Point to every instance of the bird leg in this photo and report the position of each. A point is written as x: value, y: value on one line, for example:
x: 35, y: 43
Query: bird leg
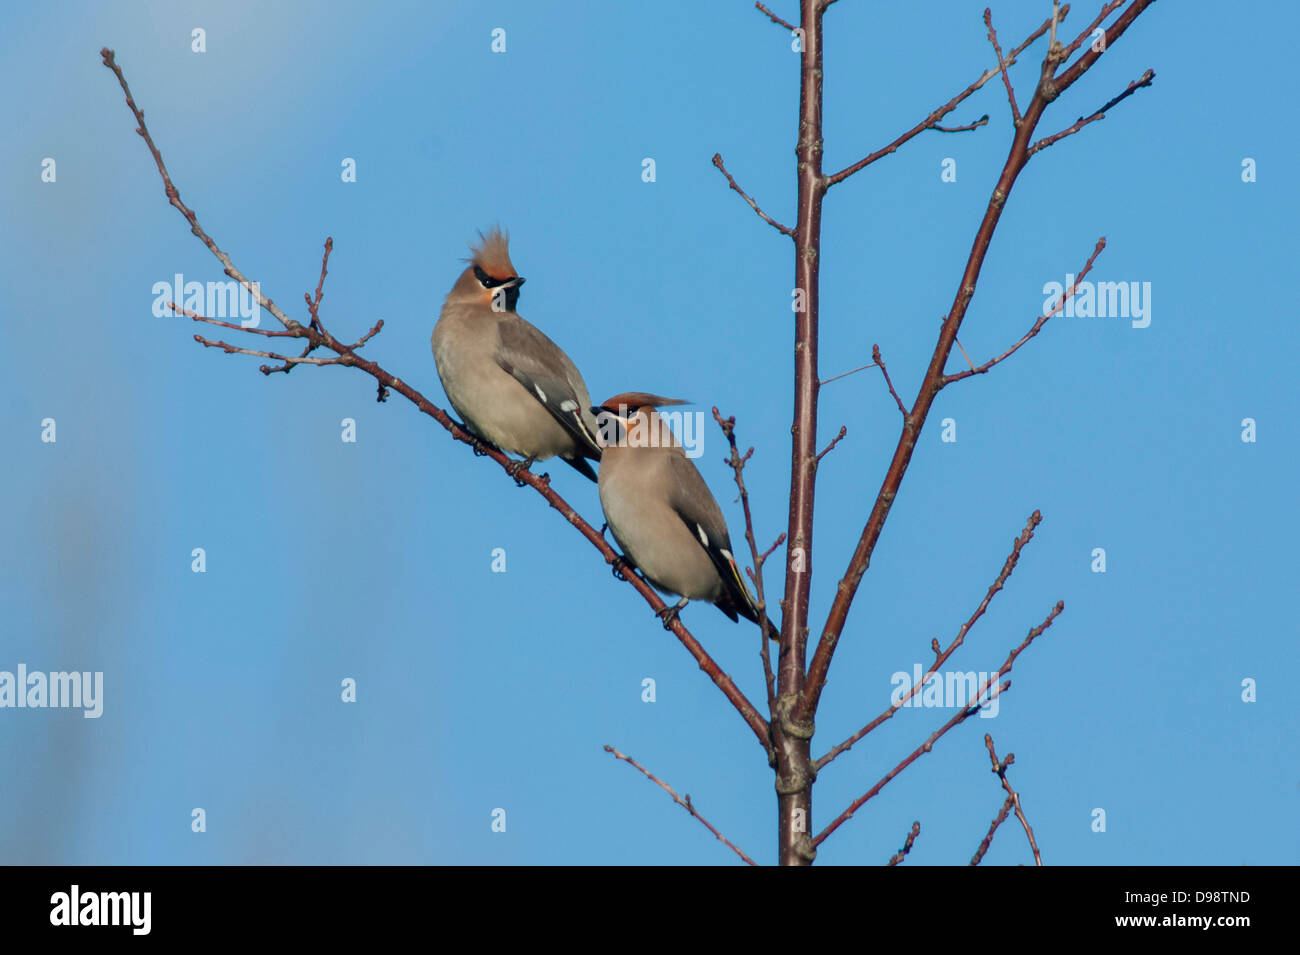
x: 669, y: 614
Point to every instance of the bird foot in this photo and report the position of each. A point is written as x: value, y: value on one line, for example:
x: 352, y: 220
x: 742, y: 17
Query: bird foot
x: 669, y: 614
x: 515, y: 469
x: 620, y: 566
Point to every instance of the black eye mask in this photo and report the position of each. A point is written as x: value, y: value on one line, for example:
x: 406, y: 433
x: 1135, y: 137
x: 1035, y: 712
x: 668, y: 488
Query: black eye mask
x: 488, y: 281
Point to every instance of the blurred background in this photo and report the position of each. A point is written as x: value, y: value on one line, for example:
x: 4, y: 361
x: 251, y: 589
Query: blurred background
x: 372, y: 560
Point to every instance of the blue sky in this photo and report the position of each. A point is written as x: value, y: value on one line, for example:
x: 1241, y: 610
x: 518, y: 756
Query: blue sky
x: 372, y: 560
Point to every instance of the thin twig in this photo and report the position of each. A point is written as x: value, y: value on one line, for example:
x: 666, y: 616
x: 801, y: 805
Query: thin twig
x: 1146, y: 79
x: 875, y: 357
x: 174, y: 197
x: 313, y: 304
x: 1000, y: 818
x: 774, y: 18
x: 762, y: 558
x: 834, y: 441
x: 907, y: 846
x: 737, y: 462
x: 931, y: 121
x: 1106, y: 11
x: 230, y: 349
x: 1066, y: 295
x: 982, y: 121
x: 374, y: 330
x: 1008, y: 567
x: 684, y: 803
x: 268, y: 332
x: 1000, y: 768
x: 717, y: 161
x: 876, y: 362
x: 1002, y: 64
x: 970, y: 709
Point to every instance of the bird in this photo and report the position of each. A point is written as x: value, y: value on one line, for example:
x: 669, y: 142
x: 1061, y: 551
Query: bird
x: 662, y: 515
x: 512, y: 385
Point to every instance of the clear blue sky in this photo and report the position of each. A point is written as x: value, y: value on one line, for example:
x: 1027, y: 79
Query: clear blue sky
x: 372, y: 560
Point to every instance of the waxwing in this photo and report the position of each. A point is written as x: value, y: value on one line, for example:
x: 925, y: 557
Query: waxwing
x: 511, y: 384
x: 661, y: 512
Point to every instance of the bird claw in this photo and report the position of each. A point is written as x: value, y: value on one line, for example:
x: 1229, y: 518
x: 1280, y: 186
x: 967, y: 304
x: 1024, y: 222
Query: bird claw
x: 669, y: 614
x: 514, y: 470
x: 621, y: 564
x: 477, y: 444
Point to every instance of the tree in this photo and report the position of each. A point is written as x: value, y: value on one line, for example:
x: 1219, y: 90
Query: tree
x: 795, y: 684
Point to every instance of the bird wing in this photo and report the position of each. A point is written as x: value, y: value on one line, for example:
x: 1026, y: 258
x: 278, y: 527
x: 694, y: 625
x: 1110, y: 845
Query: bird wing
x: 695, y: 505
x: 548, y: 374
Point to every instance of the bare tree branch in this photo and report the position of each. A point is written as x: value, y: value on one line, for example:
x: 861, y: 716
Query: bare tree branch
x: 971, y: 708
x: 287, y: 359
x: 313, y: 304
x: 1036, y: 327
x: 717, y: 161
x: 737, y: 462
x: 1145, y: 79
x: 174, y: 197
x: 793, y: 734
x: 1013, y: 797
x: 931, y: 121
x: 320, y: 337
x: 268, y: 332
x: 1002, y: 64
x: 1110, y: 7
x: 684, y: 803
x: 907, y: 846
x: 982, y: 121
x: 834, y: 441
x: 1050, y: 86
x: 774, y: 18
x: 876, y: 362
x: 1000, y: 818
x: 1008, y: 567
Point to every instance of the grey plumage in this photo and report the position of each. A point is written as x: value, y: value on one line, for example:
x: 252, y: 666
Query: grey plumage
x: 510, y: 383
x: 661, y: 512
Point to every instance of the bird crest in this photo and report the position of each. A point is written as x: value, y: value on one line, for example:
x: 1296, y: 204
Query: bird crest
x: 492, y: 254
x: 635, y: 400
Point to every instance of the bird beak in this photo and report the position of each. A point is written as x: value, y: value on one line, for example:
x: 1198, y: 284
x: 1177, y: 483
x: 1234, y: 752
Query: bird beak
x: 515, y: 282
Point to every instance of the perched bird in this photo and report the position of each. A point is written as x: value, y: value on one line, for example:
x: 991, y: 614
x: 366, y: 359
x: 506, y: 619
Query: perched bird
x: 661, y: 512
x: 511, y: 384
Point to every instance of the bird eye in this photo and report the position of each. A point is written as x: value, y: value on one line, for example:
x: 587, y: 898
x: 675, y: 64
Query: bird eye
x: 484, y: 279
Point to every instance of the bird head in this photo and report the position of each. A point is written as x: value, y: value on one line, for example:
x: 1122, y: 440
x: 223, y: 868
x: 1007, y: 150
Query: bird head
x: 490, y: 278
x: 629, y: 420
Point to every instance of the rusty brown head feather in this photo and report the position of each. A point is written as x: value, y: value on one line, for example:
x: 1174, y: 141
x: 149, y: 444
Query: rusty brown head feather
x: 492, y: 254
x: 633, y: 400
